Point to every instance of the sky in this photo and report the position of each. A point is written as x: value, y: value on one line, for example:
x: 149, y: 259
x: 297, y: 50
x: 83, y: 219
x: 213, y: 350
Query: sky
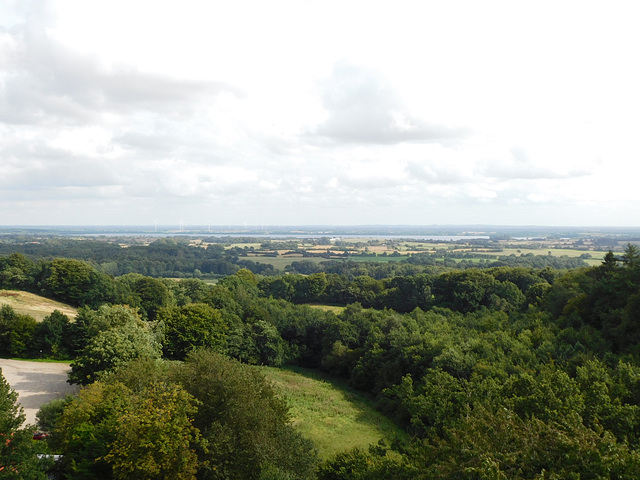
x: 319, y: 112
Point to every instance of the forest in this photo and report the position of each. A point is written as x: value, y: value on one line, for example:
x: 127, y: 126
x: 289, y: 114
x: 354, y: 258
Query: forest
x: 504, y: 371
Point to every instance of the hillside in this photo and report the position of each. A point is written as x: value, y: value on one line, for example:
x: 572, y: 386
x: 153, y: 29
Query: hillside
x: 34, y: 305
x: 333, y: 416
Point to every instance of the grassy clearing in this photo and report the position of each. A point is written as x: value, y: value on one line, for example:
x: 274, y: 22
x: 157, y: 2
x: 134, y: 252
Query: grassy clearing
x: 34, y: 305
x: 333, y: 416
x: 337, y: 309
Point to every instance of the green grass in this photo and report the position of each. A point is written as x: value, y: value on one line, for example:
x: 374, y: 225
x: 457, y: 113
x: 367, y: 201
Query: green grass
x: 333, y: 416
x: 40, y: 360
x: 337, y: 309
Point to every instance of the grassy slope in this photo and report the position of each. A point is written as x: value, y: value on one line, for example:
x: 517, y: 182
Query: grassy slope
x: 34, y: 305
x: 333, y: 416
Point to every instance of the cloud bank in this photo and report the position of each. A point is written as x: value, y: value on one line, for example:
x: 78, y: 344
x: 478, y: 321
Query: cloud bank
x: 420, y: 115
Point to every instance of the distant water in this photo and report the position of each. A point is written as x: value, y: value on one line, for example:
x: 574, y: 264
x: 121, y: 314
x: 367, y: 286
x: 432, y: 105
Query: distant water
x: 280, y: 236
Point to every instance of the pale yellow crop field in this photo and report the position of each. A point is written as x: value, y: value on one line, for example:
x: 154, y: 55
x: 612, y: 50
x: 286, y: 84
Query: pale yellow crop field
x: 34, y: 305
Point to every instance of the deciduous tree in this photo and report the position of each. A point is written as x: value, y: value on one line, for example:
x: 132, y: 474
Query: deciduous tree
x: 112, y: 348
x: 244, y: 422
x: 191, y: 326
x: 111, y: 431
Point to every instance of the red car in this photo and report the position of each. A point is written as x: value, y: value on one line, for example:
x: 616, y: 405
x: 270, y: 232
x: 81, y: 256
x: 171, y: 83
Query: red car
x: 40, y: 436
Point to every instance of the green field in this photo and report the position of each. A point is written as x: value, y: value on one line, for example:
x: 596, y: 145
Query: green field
x: 333, y: 416
x: 556, y: 252
x: 337, y: 309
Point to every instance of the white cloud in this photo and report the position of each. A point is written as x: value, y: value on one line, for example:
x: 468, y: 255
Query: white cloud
x: 286, y: 112
x: 518, y: 165
x: 364, y: 108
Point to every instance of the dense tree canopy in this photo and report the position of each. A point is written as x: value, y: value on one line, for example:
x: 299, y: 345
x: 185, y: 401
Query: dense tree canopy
x: 116, y: 336
x: 191, y: 326
x: 209, y: 418
x: 511, y: 371
x: 16, y: 333
x: 244, y: 422
x: 112, y: 431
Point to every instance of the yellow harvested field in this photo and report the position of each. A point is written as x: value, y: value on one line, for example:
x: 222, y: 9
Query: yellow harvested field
x: 378, y: 248
x: 34, y: 305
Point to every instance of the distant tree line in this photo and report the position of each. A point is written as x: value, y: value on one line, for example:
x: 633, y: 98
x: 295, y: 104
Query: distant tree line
x: 177, y: 258
x: 165, y: 257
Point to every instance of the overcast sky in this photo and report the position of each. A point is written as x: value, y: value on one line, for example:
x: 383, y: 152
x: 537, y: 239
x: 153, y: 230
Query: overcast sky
x: 347, y: 112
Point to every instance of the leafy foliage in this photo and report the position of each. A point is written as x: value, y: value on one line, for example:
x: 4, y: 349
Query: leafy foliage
x: 497, y: 444
x: 75, y: 282
x: 16, y: 333
x: 374, y: 464
x: 111, y: 431
x: 52, y: 335
x: 153, y: 436
x: 245, y: 424
x: 210, y: 417
x: 120, y: 337
x: 49, y: 413
x: 191, y: 326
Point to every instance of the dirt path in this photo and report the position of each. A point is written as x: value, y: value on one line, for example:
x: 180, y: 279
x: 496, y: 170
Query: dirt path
x: 36, y: 383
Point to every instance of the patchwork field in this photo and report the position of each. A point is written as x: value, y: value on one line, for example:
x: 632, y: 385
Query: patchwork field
x: 391, y: 250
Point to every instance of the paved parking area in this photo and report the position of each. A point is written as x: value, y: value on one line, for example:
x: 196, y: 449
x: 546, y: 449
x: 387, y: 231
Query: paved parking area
x: 36, y: 383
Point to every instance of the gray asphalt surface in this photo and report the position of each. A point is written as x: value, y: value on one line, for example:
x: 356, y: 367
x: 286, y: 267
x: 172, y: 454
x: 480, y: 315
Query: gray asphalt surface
x: 36, y: 383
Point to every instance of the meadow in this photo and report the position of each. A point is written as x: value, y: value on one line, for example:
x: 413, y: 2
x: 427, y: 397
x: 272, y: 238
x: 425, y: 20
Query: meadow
x: 336, y: 309
x: 335, y: 417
